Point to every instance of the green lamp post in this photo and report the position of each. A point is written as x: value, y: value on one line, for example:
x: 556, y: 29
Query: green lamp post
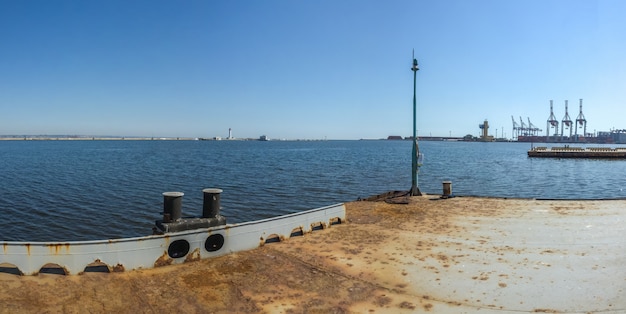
x: 416, y: 158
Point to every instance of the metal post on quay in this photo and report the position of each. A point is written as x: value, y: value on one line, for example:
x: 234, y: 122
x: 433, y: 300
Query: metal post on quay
x: 415, y: 191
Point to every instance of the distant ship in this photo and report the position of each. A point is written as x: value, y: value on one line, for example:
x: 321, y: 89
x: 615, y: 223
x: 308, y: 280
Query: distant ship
x: 264, y: 138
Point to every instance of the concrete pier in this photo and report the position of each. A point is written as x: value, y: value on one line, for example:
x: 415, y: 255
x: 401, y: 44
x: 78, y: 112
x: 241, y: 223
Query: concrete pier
x: 456, y: 255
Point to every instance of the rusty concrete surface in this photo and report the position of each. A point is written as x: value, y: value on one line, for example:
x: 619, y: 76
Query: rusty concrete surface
x: 459, y: 255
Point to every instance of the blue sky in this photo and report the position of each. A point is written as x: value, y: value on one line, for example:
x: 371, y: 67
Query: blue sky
x: 307, y: 69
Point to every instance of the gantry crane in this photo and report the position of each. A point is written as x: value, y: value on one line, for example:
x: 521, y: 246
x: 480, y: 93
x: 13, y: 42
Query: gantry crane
x: 524, y: 129
x: 552, y: 123
x: 566, y: 122
x: 515, y: 133
x: 581, y: 121
x: 534, y: 131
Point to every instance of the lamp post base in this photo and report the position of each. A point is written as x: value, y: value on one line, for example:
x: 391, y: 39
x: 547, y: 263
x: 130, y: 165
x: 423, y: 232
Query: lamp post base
x: 415, y: 191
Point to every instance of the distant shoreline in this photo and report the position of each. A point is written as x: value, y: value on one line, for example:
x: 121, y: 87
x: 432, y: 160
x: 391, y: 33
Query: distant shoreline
x: 95, y: 138
x: 114, y: 138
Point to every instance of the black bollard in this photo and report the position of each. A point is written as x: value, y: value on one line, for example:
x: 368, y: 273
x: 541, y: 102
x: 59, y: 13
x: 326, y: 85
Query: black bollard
x: 211, y: 204
x: 172, y: 206
x: 447, y: 189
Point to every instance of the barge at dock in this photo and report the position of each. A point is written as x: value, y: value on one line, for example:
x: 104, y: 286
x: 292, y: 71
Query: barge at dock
x: 578, y: 152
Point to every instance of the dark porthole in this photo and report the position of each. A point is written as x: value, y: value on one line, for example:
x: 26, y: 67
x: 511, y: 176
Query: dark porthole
x: 53, y: 269
x: 272, y: 239
x: 10, y: 270
x: 214, y: 242
x: 297, y: 232
x: 97, y: 268
x: 178, y: 248
x: 317, y: 226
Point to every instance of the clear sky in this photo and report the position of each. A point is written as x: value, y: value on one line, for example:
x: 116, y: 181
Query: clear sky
x: 307, y: 69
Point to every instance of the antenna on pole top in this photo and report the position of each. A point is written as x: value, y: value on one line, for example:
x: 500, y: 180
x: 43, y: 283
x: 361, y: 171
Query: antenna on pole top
x: 415, y: 67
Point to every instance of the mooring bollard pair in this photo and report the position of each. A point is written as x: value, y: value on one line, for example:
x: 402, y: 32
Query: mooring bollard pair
x: 172, y: 212
x: 173, y: 204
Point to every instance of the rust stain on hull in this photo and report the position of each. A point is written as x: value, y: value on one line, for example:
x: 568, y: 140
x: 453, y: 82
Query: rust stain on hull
x: 469, y: 255
x: 119, y: 268
x: 193, y: 256
x: 57, y: 248
x: 164, y: 260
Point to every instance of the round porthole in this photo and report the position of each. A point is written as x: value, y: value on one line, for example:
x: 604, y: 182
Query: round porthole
x: 178, y: 248
x: 214, y: 242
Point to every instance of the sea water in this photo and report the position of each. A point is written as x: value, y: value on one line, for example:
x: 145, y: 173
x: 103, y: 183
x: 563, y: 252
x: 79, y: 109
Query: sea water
x: 89, y: 190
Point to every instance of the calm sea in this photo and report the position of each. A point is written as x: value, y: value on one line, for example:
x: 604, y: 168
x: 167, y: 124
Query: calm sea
x: 88, y: 190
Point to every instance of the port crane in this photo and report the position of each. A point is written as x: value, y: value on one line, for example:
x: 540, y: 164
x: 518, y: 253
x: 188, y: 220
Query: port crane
x: 515, y: 133
x: 566, y: 122
x: 552, y: 122
x: 533, y: 130
x: 523, y: 128
x: 581, y: 122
